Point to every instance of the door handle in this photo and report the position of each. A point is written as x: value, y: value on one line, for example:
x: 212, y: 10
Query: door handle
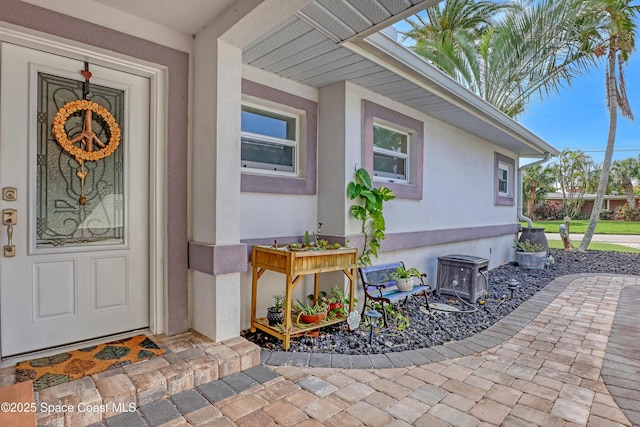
x: 9, y: 218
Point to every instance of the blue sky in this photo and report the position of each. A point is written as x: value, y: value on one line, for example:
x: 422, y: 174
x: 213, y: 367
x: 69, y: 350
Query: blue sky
x: 577, y: 117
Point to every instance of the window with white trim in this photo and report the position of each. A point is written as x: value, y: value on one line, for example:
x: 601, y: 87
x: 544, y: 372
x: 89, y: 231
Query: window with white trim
x: 504, y: 186
x: 505, y: 180
x: 398, y: 164
x: 270, y: 140
x: 390, y: 153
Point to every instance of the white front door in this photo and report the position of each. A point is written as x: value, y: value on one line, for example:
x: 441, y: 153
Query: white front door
x: 79, y: 271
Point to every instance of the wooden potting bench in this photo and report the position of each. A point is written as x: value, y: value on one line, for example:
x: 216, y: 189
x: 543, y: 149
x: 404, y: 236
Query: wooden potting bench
x: 294, y: 265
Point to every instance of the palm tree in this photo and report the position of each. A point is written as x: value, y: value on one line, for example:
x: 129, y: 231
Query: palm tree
x: 623, y: 172
x: 447, y: 34
x: 615, y: 34
x: 536, y: 182
x: 531, y: 49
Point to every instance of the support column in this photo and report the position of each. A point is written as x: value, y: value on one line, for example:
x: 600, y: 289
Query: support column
x: 216, y: 255
x: 216, y: 181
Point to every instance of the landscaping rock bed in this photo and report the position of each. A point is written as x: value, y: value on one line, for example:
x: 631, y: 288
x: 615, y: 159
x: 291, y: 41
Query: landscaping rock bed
x: 437, y: 327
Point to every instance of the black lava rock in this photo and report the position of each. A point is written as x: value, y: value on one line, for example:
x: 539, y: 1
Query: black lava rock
x: 437, y: 327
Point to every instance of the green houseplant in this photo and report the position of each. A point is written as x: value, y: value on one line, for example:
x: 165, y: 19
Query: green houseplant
x: 403, y: 277
x: 336, y: 303
x: 311, y: 313
x: 530, y: 255
x: 275, y: 314
x: 369, y: 212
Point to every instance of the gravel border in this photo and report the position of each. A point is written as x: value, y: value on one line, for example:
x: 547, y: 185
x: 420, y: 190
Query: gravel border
x: 441, y: 332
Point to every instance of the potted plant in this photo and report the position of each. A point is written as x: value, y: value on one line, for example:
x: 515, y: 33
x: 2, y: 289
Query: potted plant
x: 337, y: 302
x: 311, y: 313
x: 530, y: 255
x: 404, y: 278
x: 337, y: 299
x: 275, y: 315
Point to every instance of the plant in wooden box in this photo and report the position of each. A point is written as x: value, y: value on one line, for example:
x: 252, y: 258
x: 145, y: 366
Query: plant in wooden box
x: 311, y: 313
x: 404, y: 278
x: 275, y: 315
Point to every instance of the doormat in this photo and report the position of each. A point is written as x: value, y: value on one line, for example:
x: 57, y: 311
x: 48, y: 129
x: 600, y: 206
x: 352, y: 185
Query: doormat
x: 72, y: 365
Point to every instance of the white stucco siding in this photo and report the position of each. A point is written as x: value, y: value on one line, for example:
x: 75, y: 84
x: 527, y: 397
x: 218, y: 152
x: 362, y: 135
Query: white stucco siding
x: 458, y: 191
x: 459, y: 181
x: 265, y: 215
x: 458, y: 173
x: 273, y: 215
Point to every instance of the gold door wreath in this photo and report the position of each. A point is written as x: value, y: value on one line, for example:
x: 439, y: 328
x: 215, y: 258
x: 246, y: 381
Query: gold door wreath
x: 87, y: 138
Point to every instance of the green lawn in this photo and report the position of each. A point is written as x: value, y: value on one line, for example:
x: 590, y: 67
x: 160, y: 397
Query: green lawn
x: 597, y: 246
x: 603, y: 227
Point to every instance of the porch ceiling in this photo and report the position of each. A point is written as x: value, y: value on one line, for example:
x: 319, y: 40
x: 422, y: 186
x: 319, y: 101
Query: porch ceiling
x: 326, y: 42
x: 188, y: 16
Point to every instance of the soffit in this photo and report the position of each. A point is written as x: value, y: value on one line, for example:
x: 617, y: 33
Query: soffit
x: 187, y: 16
x: 323, y: 44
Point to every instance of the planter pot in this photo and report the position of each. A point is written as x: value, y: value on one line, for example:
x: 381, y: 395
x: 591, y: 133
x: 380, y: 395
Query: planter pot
x: 535, y: 235
x: 531, y: 259
x: 334, y: 305
x: 311, y: 318
x: 275, y: 317
x: 404, y: 285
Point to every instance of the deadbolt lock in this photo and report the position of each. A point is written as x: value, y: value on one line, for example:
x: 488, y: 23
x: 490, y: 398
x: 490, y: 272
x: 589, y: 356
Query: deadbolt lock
x: 10, y: 194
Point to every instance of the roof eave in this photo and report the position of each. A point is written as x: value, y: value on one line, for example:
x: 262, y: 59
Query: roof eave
x: 388, y: 53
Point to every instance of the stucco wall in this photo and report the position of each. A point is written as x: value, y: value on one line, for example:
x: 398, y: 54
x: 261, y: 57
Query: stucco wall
x: 458, y: 194
x: 273, y: 216
x: 267, y: 215
x: 458, y: 186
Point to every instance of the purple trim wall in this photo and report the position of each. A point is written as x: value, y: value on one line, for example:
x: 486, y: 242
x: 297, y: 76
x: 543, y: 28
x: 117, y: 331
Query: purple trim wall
x: 417, y: 239
x: 256, y: 183
x: 371, y: 110
x: 217, y: 259
x: 50, y: 22
x: 503, y: 200
x: 409, y: 240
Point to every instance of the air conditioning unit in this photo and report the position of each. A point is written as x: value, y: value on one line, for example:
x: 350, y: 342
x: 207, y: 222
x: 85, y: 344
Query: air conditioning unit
x: 462, y: 275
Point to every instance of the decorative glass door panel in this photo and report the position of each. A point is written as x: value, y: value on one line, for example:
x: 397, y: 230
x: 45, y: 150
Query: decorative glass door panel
x: 61, y: 221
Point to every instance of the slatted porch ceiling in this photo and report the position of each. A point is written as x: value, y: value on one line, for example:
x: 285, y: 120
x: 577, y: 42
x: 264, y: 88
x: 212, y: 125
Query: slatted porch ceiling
x: 307, y: 48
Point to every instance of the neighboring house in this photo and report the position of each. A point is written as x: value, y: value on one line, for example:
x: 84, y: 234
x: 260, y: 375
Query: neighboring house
x: 242, y: 123
x: 611, y: 201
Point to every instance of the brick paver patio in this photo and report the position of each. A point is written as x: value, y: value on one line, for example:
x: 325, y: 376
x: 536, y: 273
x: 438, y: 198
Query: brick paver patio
x: 570, y: 356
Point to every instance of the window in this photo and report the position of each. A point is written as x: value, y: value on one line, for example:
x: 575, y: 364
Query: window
x: 393, y: 149
x: 269, y: 140
x: 504, y: 180
x: 390, y: 153
x: 279, y: 135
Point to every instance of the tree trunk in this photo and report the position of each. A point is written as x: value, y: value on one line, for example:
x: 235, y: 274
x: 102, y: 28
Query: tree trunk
x: 627, y: 186
x: 608, y: 155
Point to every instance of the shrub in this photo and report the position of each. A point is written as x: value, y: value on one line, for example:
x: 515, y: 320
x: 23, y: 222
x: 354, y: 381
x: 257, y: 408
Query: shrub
x: 581, y: 216
x: 548, y: 210
x: 626, y: 213
x: 606, y: 214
